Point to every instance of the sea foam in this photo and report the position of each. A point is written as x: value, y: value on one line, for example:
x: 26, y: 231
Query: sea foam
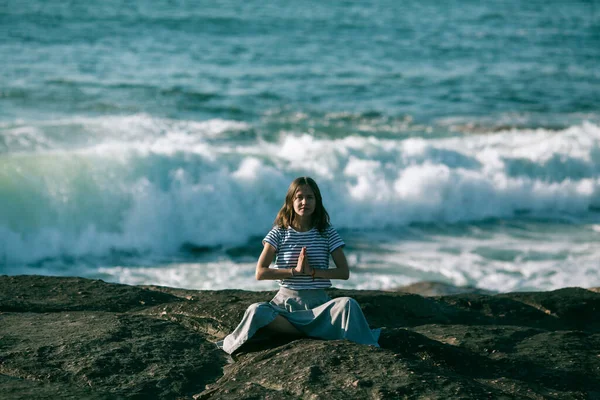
x: 151, y: 185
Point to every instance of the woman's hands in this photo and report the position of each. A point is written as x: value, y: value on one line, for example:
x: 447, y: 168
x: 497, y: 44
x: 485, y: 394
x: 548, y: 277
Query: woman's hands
x: 263, y: 272
x: 303, y: 267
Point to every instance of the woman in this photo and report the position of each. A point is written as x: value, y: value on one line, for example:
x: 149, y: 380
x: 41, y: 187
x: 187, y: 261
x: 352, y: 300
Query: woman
x: 301, y: 242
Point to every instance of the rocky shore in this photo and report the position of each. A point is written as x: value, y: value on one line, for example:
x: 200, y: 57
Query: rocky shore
x: 74, y: 338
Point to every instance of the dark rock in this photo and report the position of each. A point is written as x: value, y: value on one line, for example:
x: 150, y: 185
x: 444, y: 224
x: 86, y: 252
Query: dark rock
x: 440, y: 289
x: 72, y: 338
x: 17, y: 388
x: 47, y: 294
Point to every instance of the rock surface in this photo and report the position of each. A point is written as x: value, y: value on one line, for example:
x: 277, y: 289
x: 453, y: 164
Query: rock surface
x: 74, y: 338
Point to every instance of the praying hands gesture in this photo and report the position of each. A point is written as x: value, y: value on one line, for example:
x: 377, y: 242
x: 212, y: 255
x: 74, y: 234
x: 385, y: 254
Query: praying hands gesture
x: 303, y: 267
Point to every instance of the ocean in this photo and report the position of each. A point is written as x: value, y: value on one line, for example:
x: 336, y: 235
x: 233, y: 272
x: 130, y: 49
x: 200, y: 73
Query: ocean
x: 152, y: 142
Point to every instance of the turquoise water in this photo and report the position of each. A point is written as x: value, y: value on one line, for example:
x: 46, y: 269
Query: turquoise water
x: 153, y: 141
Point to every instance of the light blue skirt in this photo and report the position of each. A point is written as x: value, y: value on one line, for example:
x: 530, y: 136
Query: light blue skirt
x: 312, y: 312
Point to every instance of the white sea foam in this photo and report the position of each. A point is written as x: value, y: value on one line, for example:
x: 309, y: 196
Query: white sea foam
x: 150, y: 185
x: 206, y: 276
x: 531, y: 264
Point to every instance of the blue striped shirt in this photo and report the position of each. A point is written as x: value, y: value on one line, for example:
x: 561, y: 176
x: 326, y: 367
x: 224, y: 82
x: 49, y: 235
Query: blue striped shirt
x: 288, y: 243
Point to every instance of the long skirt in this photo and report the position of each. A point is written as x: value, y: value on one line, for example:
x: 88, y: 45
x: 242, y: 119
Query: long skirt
x: 310, y: 311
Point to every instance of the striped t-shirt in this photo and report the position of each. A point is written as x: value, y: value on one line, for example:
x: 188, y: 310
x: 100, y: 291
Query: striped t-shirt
x: 288, y: 243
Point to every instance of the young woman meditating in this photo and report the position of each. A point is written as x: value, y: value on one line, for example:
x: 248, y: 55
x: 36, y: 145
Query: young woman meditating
x: 301, y: 242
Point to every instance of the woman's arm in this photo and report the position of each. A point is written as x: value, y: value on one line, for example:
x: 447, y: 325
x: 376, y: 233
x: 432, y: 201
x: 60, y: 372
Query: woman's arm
x: 263, y: 272
x: 340, y: 272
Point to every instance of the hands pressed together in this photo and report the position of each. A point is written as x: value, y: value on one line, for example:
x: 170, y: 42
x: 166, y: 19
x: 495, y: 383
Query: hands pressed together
x: 303, y: 267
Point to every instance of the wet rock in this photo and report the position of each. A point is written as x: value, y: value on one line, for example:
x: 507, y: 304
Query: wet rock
x: 72, y: 338
x: 47, y: 294
x: 440, y: 289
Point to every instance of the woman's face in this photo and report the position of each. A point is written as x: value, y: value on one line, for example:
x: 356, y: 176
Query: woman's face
x: 304, y: 201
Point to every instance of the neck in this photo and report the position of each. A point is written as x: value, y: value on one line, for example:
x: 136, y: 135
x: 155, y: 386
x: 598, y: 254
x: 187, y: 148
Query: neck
x: 302, y: 224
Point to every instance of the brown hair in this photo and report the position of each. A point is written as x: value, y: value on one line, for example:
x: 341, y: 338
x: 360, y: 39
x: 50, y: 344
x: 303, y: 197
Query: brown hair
x: 285, y: 216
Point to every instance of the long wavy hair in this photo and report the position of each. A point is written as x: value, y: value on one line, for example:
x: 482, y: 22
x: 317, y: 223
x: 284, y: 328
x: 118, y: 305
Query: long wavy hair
x: 286, y: 215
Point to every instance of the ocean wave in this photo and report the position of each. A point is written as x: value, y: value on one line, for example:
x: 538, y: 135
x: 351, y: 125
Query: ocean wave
x: 151, y: 185
x: 92, y: 133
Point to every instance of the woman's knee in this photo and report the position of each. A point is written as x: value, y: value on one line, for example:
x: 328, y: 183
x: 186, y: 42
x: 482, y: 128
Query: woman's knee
x: 348, y: 301
x: 257, y: 307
